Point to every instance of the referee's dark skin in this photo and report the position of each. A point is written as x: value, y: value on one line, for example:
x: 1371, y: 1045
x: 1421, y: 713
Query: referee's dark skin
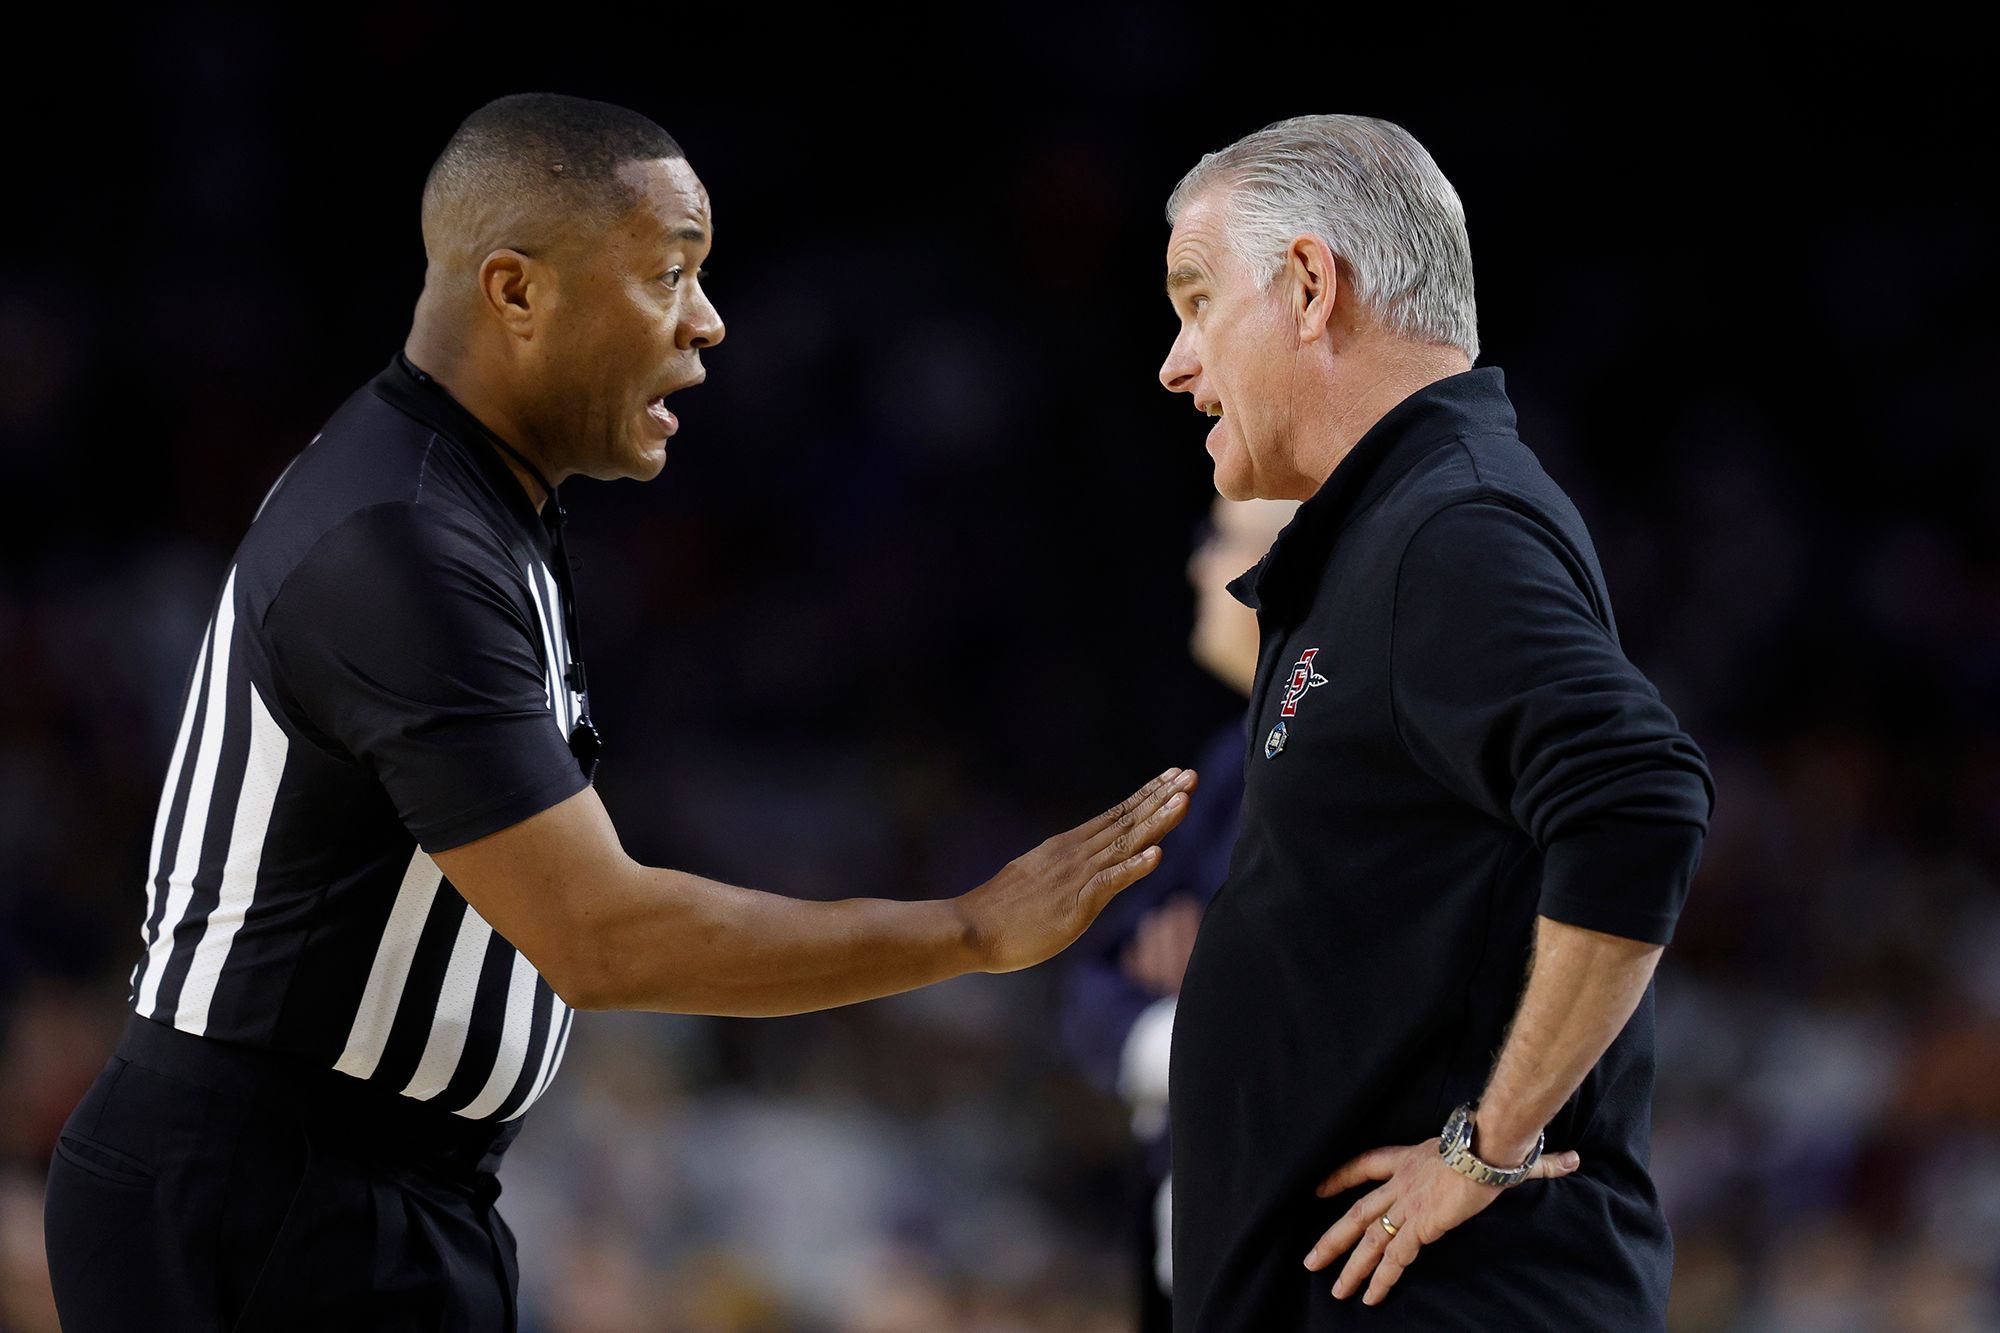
x: 380, y: 877
x: 562, y: 352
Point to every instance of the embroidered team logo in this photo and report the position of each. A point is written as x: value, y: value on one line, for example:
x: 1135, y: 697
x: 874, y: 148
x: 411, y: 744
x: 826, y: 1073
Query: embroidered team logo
x: 1303, y: 679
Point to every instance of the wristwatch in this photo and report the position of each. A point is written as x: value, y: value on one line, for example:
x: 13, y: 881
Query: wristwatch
x: 1455, y: 1146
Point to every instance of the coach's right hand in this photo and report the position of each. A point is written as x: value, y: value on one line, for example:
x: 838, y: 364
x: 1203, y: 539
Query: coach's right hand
x: 1037, y: 906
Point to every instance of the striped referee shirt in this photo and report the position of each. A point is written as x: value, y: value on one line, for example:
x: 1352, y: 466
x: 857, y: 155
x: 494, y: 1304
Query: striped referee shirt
x: 383, y: 678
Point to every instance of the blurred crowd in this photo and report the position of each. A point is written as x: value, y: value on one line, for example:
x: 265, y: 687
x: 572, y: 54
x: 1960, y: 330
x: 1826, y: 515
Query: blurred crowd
x: 909, y: 597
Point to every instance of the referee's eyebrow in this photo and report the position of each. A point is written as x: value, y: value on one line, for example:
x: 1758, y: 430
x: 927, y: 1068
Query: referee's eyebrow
x: 1181, y: 277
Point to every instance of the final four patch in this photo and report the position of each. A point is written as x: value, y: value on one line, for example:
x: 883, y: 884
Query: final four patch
x: 1275, y: 741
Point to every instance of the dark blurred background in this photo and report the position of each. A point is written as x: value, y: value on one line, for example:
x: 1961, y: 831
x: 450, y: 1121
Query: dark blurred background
x: 910, y: 593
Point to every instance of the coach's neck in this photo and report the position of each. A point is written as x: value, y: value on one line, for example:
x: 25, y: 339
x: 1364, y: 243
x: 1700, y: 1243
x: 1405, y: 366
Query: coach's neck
x: 1370, y: 372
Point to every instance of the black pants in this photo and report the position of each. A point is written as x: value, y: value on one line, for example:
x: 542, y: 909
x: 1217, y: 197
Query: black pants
x: 200, y: 1185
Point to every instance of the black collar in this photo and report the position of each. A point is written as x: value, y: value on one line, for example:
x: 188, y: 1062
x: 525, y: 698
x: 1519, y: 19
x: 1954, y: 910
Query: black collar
x: 415, y: 392
x: 1474, y: 401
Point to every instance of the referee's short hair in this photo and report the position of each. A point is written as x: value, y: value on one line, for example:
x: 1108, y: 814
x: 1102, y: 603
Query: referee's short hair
x: 533, y: 171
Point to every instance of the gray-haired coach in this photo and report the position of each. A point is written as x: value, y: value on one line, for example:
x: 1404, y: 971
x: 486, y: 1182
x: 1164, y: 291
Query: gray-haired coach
x: 1456, y: 780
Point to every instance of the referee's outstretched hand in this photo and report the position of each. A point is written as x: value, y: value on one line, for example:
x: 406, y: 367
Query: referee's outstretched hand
x: 1037, y: 906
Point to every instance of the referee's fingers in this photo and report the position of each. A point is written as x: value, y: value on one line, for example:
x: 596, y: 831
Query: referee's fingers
x: 1122, y: 829
x: 1120, y: 875
x: 1151, y: 822
x: 1125, y: 807
x: 1114, y: 879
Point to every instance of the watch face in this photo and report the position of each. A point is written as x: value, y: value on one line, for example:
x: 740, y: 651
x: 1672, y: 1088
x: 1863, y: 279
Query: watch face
x: 1458, y: 1129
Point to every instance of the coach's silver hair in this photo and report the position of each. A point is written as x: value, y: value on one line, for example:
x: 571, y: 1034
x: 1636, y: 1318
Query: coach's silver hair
x: 1370, y: 191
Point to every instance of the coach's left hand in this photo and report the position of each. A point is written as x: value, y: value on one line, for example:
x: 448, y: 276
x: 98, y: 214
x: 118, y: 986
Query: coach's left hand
x: 1423, y: 1198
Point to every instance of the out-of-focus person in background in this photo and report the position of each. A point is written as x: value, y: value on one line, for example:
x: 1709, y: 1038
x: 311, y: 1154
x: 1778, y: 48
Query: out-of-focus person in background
x: 1461, y: 777
x: 1121, y: 980
x: 380, y: 877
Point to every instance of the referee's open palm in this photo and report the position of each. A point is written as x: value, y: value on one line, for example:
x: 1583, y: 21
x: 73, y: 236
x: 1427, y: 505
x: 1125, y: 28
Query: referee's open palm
x: 1037, y: 906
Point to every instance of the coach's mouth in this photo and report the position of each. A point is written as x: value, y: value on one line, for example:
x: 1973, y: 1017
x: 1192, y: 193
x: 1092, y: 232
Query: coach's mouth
x: 1212, y: 408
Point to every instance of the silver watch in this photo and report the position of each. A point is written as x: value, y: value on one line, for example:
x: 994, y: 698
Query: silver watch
x: 1455, y: 1146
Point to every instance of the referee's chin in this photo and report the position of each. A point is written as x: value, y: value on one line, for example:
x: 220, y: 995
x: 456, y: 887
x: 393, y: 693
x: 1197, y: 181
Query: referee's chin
x: 641, y: 460
x: 651, y: 463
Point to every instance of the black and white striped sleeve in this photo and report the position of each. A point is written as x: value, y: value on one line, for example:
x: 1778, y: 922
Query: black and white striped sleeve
x: 407, y: 641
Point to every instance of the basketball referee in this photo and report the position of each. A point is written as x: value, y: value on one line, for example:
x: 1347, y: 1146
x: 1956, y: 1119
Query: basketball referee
x: 380, y: 882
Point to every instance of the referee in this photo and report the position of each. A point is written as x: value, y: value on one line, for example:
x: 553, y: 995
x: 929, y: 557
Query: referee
x: 380, y: 881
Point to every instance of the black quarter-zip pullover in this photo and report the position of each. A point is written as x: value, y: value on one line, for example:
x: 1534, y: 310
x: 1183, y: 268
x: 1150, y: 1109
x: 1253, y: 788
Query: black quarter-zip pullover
x: 1446, y: 741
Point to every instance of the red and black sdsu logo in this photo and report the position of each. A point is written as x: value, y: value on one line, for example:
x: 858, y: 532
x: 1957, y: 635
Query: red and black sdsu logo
x: 1303, y: 679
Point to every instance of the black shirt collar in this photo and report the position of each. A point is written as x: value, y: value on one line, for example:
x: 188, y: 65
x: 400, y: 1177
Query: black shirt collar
x: 414, y: 392
x: 1474, y: 401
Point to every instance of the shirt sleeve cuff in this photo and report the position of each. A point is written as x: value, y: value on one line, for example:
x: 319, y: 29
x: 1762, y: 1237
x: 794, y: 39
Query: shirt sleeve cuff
x: 1621, y: 877
x: 506, y: 812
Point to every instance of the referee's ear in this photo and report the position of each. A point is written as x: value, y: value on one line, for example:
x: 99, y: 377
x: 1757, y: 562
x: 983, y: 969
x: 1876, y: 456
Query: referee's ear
x: 515, y: 289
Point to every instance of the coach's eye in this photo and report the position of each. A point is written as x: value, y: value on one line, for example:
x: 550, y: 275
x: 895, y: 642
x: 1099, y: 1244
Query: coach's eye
x: 672, y: 277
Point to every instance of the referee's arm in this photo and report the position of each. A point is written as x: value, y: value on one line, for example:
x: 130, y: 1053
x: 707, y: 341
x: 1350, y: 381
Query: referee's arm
x: 609, y: 933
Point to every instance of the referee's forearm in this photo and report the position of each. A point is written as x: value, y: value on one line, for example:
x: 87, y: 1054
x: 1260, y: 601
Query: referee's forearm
x: 673, y: 942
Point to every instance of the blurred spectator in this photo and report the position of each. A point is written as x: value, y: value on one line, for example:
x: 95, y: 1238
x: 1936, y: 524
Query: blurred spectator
x: 1122, y: 978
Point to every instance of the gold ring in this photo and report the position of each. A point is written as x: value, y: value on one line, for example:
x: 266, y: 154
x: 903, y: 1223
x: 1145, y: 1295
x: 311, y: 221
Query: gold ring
x: 1388, y: 1226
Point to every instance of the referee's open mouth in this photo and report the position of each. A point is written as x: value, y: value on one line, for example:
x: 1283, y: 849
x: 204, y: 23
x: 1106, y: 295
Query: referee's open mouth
x: 661, y: 414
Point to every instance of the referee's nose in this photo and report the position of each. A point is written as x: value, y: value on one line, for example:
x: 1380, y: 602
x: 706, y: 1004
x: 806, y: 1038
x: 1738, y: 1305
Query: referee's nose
x: 701, y: 323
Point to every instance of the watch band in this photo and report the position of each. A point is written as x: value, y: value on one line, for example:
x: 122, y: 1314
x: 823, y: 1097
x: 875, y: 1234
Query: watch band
x: 1455, y: 1147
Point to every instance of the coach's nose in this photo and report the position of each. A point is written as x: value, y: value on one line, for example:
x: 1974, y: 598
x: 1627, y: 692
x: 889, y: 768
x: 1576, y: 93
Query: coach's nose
x: 1182, y: 367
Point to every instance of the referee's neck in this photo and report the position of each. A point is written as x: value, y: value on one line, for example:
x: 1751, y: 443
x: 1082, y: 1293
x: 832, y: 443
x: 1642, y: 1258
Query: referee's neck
x: 481, y: 395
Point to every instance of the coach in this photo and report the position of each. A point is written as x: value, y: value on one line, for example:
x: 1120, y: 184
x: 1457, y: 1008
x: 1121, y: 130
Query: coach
x: 1455, y: 780
x: 380, y: 879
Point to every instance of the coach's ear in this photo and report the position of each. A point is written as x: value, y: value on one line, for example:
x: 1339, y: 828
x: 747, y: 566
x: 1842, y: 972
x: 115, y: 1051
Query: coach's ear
x: 1313, y: 284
